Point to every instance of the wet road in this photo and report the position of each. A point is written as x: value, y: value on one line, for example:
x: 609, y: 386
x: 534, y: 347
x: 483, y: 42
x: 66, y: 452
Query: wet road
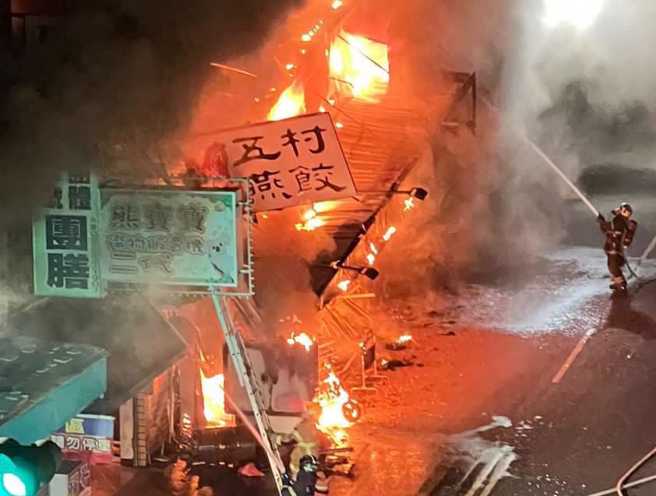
x: 498, y: 362
x: 577, y: 436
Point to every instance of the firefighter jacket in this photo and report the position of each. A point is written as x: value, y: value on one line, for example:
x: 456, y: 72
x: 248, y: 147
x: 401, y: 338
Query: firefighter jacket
x: 619, y: 232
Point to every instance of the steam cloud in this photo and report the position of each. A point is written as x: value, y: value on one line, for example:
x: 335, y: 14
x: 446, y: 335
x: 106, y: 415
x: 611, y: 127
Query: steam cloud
x: 115, y: 81
x: 584, y: 94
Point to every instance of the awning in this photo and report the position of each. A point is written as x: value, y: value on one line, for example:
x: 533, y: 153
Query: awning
x: 43, y: 384
x: 140, y: 343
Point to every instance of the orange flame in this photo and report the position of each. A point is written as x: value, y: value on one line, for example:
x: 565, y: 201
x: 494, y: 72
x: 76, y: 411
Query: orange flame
x: 337, y: 4
x: 344, y: 285
x: 325, y: 206
x: 309, y: 214
x: 359, y: 67
x: 408, y: 204
x: 303, y: 339
x: 389, y: 233
x: 290, y: 103
x: 332, y: 421
x: 311, y: 221
x: 371, y: 258
x: 214, y: 401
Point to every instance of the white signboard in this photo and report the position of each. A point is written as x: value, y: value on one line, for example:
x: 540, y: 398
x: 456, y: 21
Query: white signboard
x: 289, y: 162
x: 169, y: 237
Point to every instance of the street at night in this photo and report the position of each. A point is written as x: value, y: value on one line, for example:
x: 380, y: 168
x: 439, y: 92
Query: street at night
x: 310, y: 247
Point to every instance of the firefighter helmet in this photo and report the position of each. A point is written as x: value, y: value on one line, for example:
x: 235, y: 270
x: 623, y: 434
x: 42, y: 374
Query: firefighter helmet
x: 626, y: 206
x: 309, y: 463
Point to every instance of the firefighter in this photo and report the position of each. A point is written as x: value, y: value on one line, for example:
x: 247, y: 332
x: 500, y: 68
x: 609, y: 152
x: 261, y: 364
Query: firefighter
x: 307, y: 442
x: 306, y: 438
x: 619, y: 231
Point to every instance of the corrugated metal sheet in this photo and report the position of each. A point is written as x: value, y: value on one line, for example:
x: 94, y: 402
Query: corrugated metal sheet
x: 381, y: 141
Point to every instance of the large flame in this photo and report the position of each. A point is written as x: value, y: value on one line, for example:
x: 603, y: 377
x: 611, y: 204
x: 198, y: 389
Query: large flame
x: 290, y: 103
x: 359, y: 67
x: 332, y: 399
x: 214, y: 401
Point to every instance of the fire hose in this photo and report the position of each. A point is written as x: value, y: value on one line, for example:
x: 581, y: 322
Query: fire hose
x: 540, y: 153
x: 621, y: 483
x: 620, y: 486
x: 576, y: 190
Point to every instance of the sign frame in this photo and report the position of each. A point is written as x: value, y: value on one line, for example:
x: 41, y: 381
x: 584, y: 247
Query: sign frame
x: 75, y: 231
x: 245, y: 285
x: 311, y: 170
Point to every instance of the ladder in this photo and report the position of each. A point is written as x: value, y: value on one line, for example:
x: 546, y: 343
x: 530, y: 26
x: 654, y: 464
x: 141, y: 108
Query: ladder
x: 250, y: 382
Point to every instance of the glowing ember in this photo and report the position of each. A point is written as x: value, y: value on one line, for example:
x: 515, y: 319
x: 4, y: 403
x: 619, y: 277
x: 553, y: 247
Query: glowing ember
x: 310, y: 214
x: 359, y: 67
x: 371, y: 258
x: 344, y: 285
x: 322, y: 108
x: 373, y: 248
x: 310, y: 225
x: 214, y: 401
x: 303, y: 339
x: 337, y: 4
x: 389, y: 233
x: 408, y: 204
x: 290, y: 103
x: 325, y: 206
x: 339, y: 125
x: 289, y: 67
x: 406, y: 338
x: 312, y: 222
x: 306, y: 37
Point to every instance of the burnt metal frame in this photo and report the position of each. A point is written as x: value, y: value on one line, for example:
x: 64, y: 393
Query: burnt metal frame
x: 468, y: 85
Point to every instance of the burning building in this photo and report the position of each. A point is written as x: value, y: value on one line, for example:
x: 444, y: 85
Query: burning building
x: 338, y: 61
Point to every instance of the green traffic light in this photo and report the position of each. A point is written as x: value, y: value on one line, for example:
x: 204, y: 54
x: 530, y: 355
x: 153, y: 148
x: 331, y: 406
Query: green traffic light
x: 23, y: 469
x: 13, y: 485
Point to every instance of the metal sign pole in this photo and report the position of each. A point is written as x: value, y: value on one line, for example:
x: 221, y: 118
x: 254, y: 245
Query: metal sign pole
x: 251, y: 385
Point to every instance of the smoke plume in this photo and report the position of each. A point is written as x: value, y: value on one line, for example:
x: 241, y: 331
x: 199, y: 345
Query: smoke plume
x: 115, y: 81
x: 575, y: 81
x: 283, y: 259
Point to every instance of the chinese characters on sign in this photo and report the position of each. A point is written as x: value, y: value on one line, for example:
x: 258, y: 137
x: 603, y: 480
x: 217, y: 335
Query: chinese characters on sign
x: 87, y: 437
x: 289, y: 162
x: 65, y: 261
x: 169, y: 237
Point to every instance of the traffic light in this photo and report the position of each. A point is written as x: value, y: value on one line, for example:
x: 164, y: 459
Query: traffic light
x: 24, y: 469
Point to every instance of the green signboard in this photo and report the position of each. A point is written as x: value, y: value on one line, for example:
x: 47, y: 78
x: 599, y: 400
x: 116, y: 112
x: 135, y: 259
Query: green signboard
x: 65, y: 251
x: 169, y: 237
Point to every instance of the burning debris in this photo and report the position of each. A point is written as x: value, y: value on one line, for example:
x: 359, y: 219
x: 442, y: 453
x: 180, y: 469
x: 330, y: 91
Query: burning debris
x: 214, y: 401
x: 401, y: 343
x: 359, y: 67
x: 303, y: 339
x: 290, y: 103
x: 338, y: 410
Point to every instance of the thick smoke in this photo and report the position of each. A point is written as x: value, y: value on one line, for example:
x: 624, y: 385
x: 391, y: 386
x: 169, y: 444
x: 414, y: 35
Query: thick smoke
x: 283, y: 260
x: 114, y: 82
x: 584, y: 94
x: 586, y: 91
